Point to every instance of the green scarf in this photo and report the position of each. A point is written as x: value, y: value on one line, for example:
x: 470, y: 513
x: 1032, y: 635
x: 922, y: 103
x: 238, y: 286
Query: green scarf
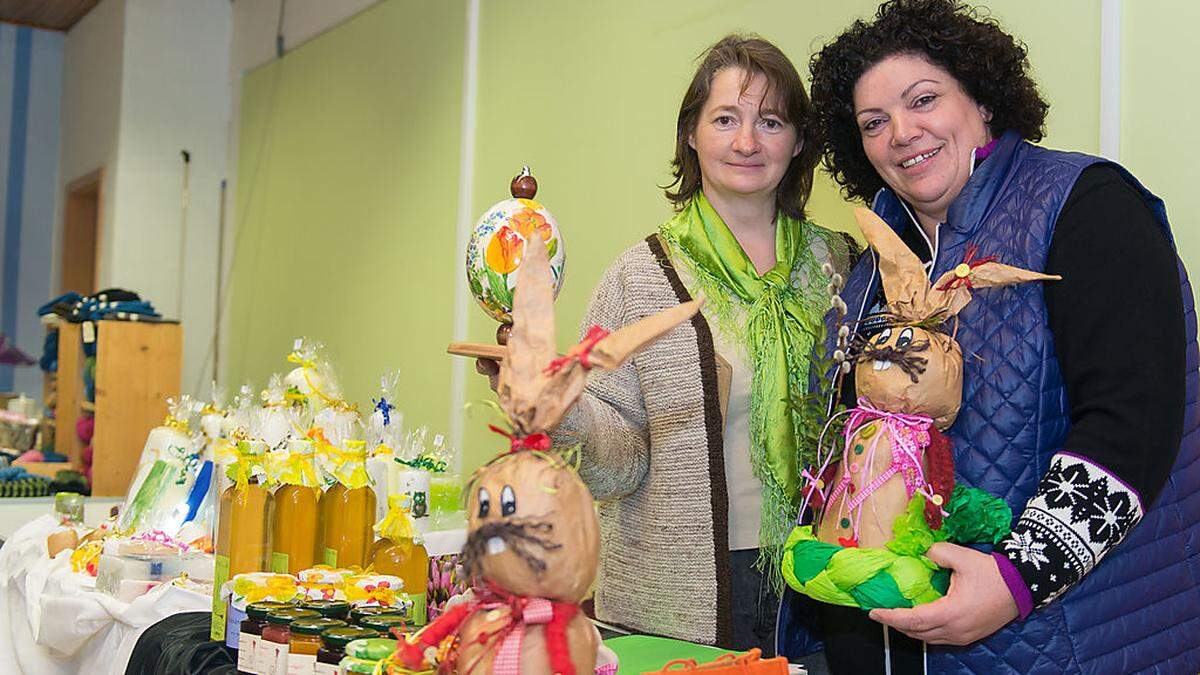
x: 779, y: 338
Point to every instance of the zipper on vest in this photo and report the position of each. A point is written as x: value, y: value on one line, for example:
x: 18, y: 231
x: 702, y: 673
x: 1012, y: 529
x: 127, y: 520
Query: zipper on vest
x: 933, y: 245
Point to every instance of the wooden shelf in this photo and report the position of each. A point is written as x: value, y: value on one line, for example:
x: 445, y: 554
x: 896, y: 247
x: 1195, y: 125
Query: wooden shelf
x: 70, y: 392
x: 47, y: 469
x: 137, y: 369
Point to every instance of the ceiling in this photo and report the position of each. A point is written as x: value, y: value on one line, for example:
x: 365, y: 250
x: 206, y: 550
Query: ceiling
x: 48, y: 14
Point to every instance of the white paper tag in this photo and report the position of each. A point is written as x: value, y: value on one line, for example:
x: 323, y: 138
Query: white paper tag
x: 280, y: 665
x: 301, y: 664
x: 325, y: 669
x: 268, y: 655
x: 89, y: 332
x: 247, y: 653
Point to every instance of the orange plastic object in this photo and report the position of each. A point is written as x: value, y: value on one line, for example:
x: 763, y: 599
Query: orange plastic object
x: 750, y: 663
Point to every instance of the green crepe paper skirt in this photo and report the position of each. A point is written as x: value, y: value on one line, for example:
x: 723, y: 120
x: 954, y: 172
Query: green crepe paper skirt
x: 898, y: 576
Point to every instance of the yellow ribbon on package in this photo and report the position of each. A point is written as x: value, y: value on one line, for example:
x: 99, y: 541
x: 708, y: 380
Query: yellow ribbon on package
x: 349, y: 465
x: 279, y: 587
x: 292, y: 468
x: 224, y: 451
x: 173, y: 422
x: 308, y: 366
x: 375, y: 590
x: 397, y: 523
x: 245, y: 466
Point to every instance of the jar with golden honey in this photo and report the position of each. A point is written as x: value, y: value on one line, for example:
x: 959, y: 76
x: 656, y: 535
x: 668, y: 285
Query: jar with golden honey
x: 294, y: 536
x: 401, y: 553
x: 304, y: 641
x: 243, y: 530
x: 347, y: 508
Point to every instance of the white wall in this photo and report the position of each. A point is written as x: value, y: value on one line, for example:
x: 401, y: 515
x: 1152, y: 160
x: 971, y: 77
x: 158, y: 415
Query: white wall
x: 255, y: 23
x: 144, y: 79
x: 175, y: 95
x: 91, y: 109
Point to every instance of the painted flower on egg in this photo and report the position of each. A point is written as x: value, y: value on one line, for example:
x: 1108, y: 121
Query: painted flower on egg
x: 529, y: 221
x: 497, y: 247
x: 504, y: 251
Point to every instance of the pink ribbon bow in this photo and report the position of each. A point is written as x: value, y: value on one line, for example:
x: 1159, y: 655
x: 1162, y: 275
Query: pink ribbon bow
x: 909, y: 435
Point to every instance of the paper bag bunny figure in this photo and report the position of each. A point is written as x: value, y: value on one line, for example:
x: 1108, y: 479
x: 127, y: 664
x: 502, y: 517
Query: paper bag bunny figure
x: 533, y: 538
x: 888, y: 492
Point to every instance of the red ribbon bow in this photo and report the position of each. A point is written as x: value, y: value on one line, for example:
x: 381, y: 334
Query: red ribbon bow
x: 962, y: 272
x: 579, y: 352
x: 530, y: 442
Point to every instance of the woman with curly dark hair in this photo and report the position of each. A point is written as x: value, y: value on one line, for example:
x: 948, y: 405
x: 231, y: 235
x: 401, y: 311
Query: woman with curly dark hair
x: 1075, y: 392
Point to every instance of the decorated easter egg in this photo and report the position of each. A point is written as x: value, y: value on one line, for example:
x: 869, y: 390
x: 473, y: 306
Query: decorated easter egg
x: 498, y: 243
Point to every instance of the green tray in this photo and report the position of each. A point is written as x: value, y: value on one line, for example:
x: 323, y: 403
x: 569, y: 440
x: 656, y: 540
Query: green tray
x: 642, y: 653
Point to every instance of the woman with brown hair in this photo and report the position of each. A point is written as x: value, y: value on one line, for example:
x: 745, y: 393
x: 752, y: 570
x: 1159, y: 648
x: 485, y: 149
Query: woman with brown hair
x: 691, y: 447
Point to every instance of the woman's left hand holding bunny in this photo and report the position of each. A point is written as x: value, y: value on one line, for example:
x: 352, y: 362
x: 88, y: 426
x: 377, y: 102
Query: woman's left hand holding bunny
x: 977, y: 604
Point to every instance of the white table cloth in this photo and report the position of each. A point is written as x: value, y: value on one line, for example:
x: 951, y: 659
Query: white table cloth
x: 54, y: 621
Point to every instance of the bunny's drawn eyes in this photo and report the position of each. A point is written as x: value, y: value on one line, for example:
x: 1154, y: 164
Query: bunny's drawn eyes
x: 905, y: 338
x: 508, y: 501
x: 485, y: 502
x: 884, y: 335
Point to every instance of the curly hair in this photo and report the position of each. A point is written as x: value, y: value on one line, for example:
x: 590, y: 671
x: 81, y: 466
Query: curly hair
x: 991, y: 66
x: 755, y: 56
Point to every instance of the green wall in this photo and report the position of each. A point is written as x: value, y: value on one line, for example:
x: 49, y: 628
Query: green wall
x: 346, y: 203
x: 349, y: 157
x: 1160, y: 110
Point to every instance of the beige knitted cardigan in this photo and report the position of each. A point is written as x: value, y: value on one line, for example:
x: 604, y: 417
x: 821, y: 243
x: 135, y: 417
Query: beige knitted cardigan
x: 652, y: 454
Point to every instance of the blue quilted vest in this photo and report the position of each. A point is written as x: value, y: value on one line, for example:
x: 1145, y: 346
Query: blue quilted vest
x: 1139, y: 609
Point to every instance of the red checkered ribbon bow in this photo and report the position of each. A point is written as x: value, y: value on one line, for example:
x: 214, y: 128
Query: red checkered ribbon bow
x: 526, y: 612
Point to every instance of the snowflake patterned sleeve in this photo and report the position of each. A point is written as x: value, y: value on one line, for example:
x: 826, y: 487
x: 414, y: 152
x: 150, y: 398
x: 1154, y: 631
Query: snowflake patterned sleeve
x: 1080, y: 512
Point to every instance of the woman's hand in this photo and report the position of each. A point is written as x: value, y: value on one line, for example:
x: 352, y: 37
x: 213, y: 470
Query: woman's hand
x: 977, y: 604
x: 491, y: 368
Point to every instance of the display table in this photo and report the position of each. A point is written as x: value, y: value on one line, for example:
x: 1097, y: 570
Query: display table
x: 53, y: 621
x: 637, y: 653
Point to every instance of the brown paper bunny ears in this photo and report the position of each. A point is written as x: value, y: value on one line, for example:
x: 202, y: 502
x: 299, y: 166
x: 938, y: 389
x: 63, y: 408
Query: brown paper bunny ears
x: 909, y: 294
x: 536, y: 389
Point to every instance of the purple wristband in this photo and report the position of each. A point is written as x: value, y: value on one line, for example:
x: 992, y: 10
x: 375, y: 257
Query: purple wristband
x: 1016, y: 585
